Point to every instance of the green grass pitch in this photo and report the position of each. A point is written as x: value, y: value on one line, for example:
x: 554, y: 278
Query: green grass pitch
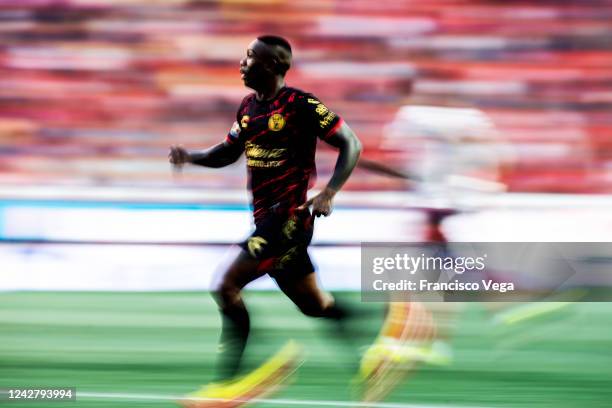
x: 165, y: 343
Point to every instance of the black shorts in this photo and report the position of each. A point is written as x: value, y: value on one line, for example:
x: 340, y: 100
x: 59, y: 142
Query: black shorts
x: 281, y: 243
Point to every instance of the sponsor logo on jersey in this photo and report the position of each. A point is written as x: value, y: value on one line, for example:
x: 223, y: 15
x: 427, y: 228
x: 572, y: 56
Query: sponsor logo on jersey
x: 327, y: 119
x: 259, y: 156
x: 321, y: 109
x: 265, y: 163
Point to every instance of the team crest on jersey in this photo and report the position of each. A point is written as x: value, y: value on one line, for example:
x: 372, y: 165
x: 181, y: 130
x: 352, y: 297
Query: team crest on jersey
x: 244, y: 121
x: 276, y: 122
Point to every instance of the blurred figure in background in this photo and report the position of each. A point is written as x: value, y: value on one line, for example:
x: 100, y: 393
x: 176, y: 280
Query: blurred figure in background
x: 451, y: 157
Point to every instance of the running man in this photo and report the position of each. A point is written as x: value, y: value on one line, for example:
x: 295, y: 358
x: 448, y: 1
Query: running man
x: 277, y: 128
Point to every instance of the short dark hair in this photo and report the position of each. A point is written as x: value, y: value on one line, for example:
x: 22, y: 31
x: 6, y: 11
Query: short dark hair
x: 275, y: 40
x: 284, y: 57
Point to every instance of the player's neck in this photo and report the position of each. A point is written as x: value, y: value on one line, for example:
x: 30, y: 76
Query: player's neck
x: 270, y: 91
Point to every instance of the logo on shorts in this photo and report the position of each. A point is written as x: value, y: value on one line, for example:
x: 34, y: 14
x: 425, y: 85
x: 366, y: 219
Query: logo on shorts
x: 287, y: 258
x: 255, y: 245
x: 276, y: 122
x: 289, y: 228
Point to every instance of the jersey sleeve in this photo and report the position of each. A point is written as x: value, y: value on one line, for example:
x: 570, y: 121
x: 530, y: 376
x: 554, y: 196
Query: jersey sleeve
x: 318, y: 117
x: 235, y: 136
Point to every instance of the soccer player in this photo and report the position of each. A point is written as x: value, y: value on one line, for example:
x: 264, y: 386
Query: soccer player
x: 456, y: 156
x: 277, y: 128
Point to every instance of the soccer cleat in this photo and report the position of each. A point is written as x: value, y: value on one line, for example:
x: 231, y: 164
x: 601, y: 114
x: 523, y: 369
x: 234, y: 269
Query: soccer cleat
x: 387, y: 351
x: 265, y: 379
x: 406, y: 339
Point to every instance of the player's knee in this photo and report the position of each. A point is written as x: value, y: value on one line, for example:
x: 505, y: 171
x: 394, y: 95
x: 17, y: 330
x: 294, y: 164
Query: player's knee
x: 321, y: 308
x: 312, y: 310
x: 316, y: 309
x: 227, y: 295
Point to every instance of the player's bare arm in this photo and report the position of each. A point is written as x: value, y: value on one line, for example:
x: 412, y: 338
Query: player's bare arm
x: 220, y: 155
x: 381, y: 168
x: 349, y: 148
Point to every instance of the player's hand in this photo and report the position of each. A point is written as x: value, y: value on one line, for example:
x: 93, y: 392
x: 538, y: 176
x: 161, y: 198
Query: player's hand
x: 178, y: 156
x: 321, y: 203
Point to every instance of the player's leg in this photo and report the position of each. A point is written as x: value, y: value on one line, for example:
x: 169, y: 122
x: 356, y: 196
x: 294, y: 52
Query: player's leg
x: 305, y: 293
x: 230, y: 390
x: 293, y: 271
x: 235, y: 317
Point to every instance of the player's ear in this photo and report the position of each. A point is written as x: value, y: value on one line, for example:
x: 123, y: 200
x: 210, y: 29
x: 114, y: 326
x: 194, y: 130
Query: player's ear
x: 276, y: 66
x: 279, y: 67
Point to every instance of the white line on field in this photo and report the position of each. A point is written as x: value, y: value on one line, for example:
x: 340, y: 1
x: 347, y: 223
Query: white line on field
x: 320, y: 403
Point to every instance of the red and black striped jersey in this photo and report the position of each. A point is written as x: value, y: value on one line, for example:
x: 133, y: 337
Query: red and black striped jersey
x: 279, y: 138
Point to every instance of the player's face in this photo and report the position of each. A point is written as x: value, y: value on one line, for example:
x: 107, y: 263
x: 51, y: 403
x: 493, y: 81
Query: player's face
x: 255, y: 66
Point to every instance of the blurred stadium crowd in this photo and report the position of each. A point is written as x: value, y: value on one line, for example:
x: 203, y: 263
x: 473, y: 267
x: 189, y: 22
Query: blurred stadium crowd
x: 92, y: 92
